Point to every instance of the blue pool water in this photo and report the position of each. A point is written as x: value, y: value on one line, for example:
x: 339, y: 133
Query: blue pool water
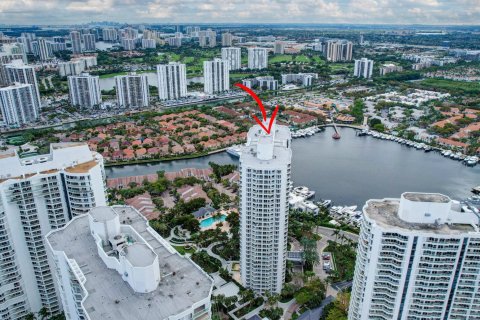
x: 211, y: 220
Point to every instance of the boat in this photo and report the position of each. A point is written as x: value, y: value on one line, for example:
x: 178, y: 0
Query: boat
x: 235, y: 151
x: 363, y: 132
x: 303, y: 192
x: 476, y: 190
x: 427, y: 149
x: 336, y: 136
x: 325, y: 203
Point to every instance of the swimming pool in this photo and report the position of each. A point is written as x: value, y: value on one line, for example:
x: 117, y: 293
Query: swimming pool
x: 211, y: 220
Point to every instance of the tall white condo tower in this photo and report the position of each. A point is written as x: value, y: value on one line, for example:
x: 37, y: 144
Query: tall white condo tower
x: 265, y: 175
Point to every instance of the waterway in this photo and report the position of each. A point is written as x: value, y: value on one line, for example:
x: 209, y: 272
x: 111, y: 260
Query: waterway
x: 351, y: 170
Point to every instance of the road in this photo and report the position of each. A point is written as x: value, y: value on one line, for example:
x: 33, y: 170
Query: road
x: 327, y: 235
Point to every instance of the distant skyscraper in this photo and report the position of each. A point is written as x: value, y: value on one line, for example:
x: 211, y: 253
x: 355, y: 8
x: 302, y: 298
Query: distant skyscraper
x: 84, y: 90
x: 363, y: 68
x: 75, y: 38
x: 39, y: 194
x: 202, y: 40
x: 18, y: 104
x: 212, y: 38
x: 279, y: 47
x: 216, y: 76
x: 129, y: 44
x: 264, y: 83
x: 113, y: 252
x: 257, y: 58
x: 12, y: 51
x: 265, y: 165
x: 149, y: 44
x: 109, y: 35
x: 227, y: 38
x: 88, y: 42
x: 233, y: 56
x: 132, y: 90
x: 45, y: 50
x: 130, y: 33
x: 17, y: 71
x: 417, y: 258
x: 338, y: 50
x: 388, y: 68
x: 27, y: 39
x: 172, y: 81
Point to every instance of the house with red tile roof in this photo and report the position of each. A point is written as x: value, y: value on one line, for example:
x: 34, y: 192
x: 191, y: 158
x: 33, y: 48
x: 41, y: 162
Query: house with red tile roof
x: 128, y: 154
x: 188, y: 193
x: 144, y: 204
x: 452, y: 144
x: 140, y: 153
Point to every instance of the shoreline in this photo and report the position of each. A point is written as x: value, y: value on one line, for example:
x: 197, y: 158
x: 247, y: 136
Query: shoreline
x: 146, y: 161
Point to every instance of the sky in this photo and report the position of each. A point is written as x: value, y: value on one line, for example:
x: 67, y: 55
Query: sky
x: 438, y: 12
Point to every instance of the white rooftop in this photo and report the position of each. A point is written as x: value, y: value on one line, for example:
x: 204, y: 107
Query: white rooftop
x: 182, y: 283
x: 422, y: 212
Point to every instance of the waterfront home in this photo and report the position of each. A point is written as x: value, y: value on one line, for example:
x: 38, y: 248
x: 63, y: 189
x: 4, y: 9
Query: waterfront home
x: 452, y: 144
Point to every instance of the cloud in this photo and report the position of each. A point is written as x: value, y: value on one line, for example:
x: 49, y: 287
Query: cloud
x: 225, y: 11
x: 90, y: 5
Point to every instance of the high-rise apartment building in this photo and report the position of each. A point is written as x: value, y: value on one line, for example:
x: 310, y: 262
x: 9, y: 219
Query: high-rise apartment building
x: 233, y: 56
x: 227, y: 38
x: 84, y: 90
x: 303, y: 79
x: 17, y: 71
x: 417, y: 258
x: 149, y: 44
x: 212, y: 38
x: 132, y: 90
x: 129, y: 44
x: 39, y: 194
x: 363, y: 68
x: 257, y: 58
x: 18, y: 104
x: 390, y: 67
x: 216, y: 75
x: 130, y: 33
x: 12, y: 51
x: 279, y: 47
x: 264, y: 83
x: 113, y: 252
x: 27, y: 38
x: 88, y: 42
x: 76, y: 40
x: 172, y: 81
x: 338, y: 50
x: 45, y: 50
x: 265, y: 165
x: 109, y: 35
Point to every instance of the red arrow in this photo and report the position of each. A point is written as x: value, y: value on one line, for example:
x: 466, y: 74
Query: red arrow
x: 262, y: 109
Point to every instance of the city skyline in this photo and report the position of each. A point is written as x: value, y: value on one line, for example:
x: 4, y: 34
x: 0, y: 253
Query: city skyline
x: 434, y: 12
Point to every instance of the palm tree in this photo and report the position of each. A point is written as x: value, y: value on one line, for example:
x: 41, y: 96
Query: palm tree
x: 30, y: 316
x: 335, y: 233
x: 43, y: 313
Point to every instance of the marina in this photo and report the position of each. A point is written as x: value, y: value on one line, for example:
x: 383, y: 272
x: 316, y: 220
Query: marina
x: 465, y: 159
x: 382, y: 169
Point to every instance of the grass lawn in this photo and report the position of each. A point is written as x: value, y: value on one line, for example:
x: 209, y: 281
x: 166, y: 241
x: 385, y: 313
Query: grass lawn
x: 469, y: 87
x: 241, y: 75
x: 182, y: 250
x: 302, y: 58
x: 340, y: 66
x: 280, y: 58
